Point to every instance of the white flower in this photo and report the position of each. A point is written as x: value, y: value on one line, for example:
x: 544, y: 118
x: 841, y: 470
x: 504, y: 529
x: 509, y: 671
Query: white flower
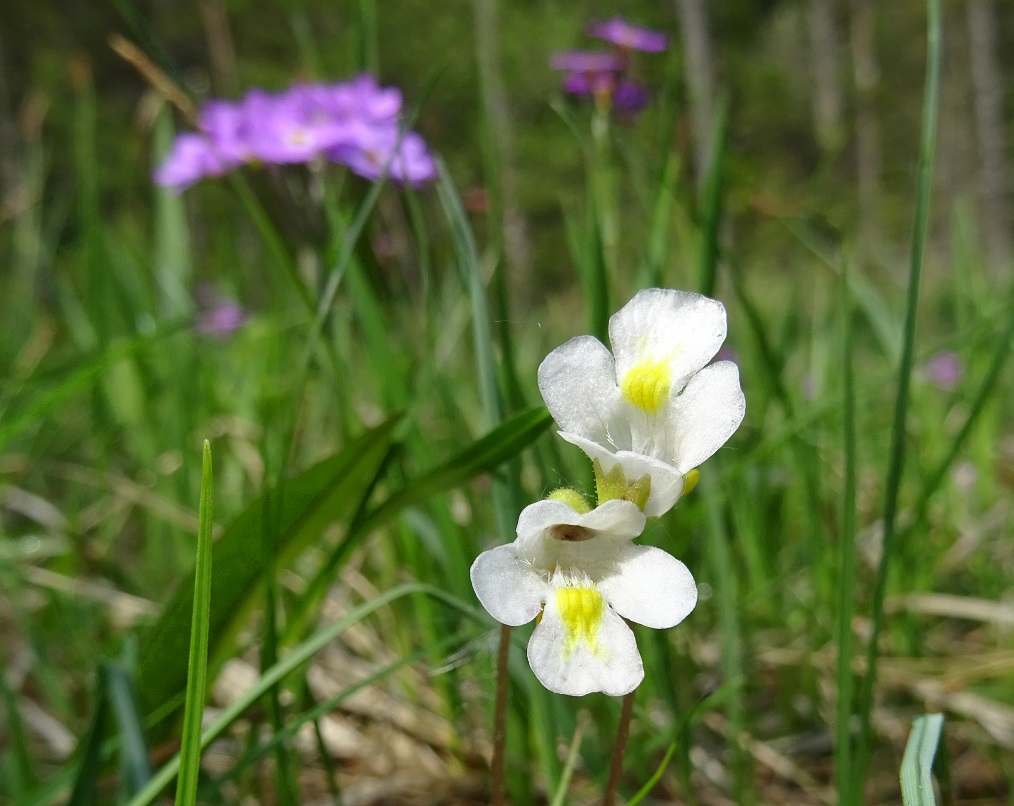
x: 583, y: 575
x: 656, y: 409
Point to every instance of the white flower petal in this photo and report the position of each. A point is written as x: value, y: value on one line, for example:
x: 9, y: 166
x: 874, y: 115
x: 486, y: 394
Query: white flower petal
x: 650, y: 587
x: 666, y: 480
x: 620, y: 519
x: 511, y: 592
x: 609, y: 663
x: 578, y: 383
x: 536, y: 518
x: 680, y: 328
x: 706, y: 414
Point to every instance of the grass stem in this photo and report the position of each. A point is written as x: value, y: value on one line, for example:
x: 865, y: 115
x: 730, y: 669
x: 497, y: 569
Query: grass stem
x: 619, y: 750
x: 500, y: 718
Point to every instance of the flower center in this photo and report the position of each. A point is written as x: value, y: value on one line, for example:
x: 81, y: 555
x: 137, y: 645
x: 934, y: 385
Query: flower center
x: 646, y: 385
x: 581, y: 610
x: 569, y: 533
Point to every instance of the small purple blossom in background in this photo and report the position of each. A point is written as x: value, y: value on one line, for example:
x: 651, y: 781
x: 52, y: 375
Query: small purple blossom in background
x: 355, y: 123
x: 944, y: 370
x: 629, y: 97
x: 219, y: 317
x: 628, y: 36
x: 605, y: 76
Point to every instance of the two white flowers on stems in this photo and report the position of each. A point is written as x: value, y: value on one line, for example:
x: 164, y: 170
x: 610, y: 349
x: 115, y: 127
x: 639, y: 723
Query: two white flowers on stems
x: 647, y: 415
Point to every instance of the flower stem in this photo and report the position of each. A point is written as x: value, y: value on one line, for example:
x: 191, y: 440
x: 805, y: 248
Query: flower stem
x: 622, y: 732
x: 500, y: 718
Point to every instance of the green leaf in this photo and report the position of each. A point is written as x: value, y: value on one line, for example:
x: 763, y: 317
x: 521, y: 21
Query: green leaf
x: 300, y: 508
x: 482, y: 456
x: 197, y: 672
x: 917, y: 764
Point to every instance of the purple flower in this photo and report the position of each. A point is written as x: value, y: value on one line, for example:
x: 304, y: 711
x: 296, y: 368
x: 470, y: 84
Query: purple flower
x: 354, y: 122
x: 220, y: 321
x: 407, y: 155
x: 944, y: 370
x: 628, y: 36
x: 226, y: 125
x: 629, y: 97
x: 191, y: 158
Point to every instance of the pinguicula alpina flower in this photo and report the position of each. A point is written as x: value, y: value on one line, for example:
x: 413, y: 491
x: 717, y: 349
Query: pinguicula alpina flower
x: 653, y: 409
x: 355, y: 123
x: 627, y: 36
x: 580, y: 575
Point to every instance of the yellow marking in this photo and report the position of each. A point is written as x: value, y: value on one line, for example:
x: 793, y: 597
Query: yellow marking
x: 581, y: 610
x: 690, y: 480
x: 646, y: 385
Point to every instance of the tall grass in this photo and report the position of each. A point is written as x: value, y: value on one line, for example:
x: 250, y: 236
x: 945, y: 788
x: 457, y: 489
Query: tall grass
x: 373, y: 433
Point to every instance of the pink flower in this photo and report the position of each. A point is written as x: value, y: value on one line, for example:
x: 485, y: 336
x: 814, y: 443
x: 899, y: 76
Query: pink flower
x: 628, y: 36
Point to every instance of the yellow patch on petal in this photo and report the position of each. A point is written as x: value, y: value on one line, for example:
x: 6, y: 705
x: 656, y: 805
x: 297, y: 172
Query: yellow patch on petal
x: 581, y: 610
x: 690, y: 480
x: 647, y: 384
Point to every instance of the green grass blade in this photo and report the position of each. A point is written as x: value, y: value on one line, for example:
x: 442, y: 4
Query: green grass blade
x: 920, y: 231
x: 560, y: 796
x: 288, y: 664
x: 83, y: 792
x: 134, y: 763
x: 917, y: 764
x: 846, y: 577
x: 722, y: 570
x: 482, y: 456
x: 197, y: 668
x: 982, y: 396
x: 711, y: 202
x: 505, y: 495
x: 656, y: 776
x: 325, y: 707
x: 19, y: 758
x: 305, y: 504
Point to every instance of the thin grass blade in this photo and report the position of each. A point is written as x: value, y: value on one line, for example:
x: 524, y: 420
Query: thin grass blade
x: 197, y: 669
x: 920, y: 232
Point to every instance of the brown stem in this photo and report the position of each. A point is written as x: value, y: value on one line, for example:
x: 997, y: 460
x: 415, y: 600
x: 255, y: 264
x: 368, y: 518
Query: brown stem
x: 500, y: 719
x: 622, y: 732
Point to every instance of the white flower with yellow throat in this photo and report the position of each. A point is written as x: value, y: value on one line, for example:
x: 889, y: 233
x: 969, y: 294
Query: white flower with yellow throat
x: 579, y: 573
x: 653, y: 407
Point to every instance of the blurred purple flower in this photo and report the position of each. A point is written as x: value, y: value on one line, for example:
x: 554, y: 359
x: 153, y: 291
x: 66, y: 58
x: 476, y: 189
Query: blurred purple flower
x: 354, y: 122
x: 629, y: 97
x: 944, y: 370
x: 405, y: 156
x: 191, y: 158
x: 221, y: 320
x: 628, y: 36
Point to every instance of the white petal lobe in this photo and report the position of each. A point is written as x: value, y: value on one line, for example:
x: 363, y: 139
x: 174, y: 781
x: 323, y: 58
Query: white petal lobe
x: 611, y: 665
x: 650, y: 587
x: 578, y: 383
x: 509, y: 590
x: 681, y: 327
x: 706, y: 414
